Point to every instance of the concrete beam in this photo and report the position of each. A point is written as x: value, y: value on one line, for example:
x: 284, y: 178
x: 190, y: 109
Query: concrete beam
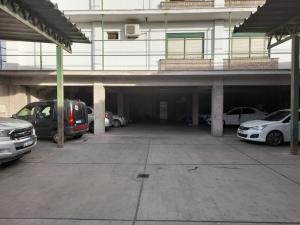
x: 99, y: 109
x: 217, y: 109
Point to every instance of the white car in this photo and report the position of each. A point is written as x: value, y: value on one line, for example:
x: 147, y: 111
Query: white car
x: 239, y: 115
x: 273, y: 130
x: 107, y: 119
x: 118, y: 121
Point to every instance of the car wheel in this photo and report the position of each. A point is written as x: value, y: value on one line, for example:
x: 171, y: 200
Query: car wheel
x: 274, y: 138
x: 91, y: 127
x: 55, y: 138
x: 116, y: 123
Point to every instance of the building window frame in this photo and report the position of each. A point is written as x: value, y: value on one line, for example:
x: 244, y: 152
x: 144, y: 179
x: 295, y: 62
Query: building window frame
x: 111, y: 33
x: 250, y: 37
x: 185, y: 37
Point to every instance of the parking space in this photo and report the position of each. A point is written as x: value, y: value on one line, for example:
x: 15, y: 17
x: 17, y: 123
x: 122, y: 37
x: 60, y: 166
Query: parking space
x: 194, y: 178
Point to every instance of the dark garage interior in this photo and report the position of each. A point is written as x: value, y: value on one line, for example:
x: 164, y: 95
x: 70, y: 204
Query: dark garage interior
x: 174, y: 105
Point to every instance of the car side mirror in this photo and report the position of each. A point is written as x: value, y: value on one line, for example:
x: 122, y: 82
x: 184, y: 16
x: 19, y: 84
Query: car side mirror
x: 14, y: 116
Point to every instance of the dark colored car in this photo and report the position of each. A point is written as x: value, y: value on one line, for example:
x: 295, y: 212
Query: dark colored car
x: 43, y: 116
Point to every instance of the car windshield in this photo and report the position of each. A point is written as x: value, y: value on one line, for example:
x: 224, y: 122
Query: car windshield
x: 277, y: 116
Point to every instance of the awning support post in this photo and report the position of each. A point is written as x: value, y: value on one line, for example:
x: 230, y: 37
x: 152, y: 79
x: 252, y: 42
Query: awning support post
x: 295, y: 96
x: 60, y: 96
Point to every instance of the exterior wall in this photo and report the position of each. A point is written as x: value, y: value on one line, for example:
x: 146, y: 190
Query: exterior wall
x: 12, y: 99
x: 107, y: 4
x: 147, y: 52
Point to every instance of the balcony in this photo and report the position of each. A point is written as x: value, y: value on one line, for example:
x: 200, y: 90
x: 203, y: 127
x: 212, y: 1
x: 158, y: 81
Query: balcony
x: 244, y: 3
x: 189, y: 4
x: 251, y: 64
x: 186, y: 64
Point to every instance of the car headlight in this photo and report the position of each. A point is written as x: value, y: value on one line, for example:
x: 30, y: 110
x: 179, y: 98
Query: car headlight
x: 4, y: 133
x: 259, y: 127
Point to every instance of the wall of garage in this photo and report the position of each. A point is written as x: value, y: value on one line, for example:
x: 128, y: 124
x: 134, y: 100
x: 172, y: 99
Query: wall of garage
x: 268, y: 99
x: 12, y: 99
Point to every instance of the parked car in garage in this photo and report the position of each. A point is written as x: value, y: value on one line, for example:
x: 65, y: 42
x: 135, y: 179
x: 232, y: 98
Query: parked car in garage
x: 238, y: 115
x: 107, y: 118
x: 110, y: 119
x: 17, y: 138
x: 43, y: 116
x: 273, y: 130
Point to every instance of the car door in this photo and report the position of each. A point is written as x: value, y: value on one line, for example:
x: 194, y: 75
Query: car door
x: 44, y: 120
x: 248, y: 114
x: 285, y: 127
x: 233, y: 117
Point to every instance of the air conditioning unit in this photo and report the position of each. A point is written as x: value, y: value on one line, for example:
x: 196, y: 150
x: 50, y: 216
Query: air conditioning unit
x: 132, y: 30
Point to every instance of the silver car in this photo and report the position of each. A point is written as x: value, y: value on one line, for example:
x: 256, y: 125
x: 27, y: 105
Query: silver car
x: 17, y: 138
x: 107, y: 119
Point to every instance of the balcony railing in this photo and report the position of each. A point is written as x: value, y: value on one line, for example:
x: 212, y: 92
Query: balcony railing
x: 244, y: 3
x: 190, y: 4
x: 152, y: 55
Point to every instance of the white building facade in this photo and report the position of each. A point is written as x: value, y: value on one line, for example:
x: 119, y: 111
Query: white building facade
x: 183, y: 45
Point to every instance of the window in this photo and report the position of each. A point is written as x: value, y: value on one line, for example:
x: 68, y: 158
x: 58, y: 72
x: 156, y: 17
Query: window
x: 251, y: 46
x: 27, y: 112
x: 89, y: 111
x: 44, y: 112
x: 248, y: 111
x: 234, y: 112
x: 185, y: 45
x: 113, y: 35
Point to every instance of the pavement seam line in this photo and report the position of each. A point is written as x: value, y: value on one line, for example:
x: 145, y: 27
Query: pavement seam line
x: 266, y: 166
x: 142, y: 186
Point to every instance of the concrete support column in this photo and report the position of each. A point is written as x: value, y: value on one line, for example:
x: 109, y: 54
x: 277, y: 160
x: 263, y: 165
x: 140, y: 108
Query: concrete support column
x: 195, y: 109
x: 120, y: 104
x: 217, y: 103
x: 99, y: 109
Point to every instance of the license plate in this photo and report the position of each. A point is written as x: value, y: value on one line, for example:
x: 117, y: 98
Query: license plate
x: 78, y: 121
x: 28, y: 143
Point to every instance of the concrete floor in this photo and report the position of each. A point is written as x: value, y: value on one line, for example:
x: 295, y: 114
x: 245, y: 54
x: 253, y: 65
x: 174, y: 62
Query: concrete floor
x: 194, y: 179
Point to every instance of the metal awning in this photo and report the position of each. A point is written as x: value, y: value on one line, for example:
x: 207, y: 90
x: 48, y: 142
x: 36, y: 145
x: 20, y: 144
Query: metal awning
x: 280, y: 21
x: 37, y: 21
x: 277, y: 19
x: 41, y: 21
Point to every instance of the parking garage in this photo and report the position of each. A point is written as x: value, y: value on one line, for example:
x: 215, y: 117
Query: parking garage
x: 182, y: 106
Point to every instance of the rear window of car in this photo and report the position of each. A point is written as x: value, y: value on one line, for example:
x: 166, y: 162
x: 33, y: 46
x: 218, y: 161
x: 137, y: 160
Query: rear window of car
x: 79, y: 111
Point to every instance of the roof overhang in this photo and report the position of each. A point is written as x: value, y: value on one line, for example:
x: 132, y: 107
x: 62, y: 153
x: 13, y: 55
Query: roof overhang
x: 278, y: 19
x: 37, y: 21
